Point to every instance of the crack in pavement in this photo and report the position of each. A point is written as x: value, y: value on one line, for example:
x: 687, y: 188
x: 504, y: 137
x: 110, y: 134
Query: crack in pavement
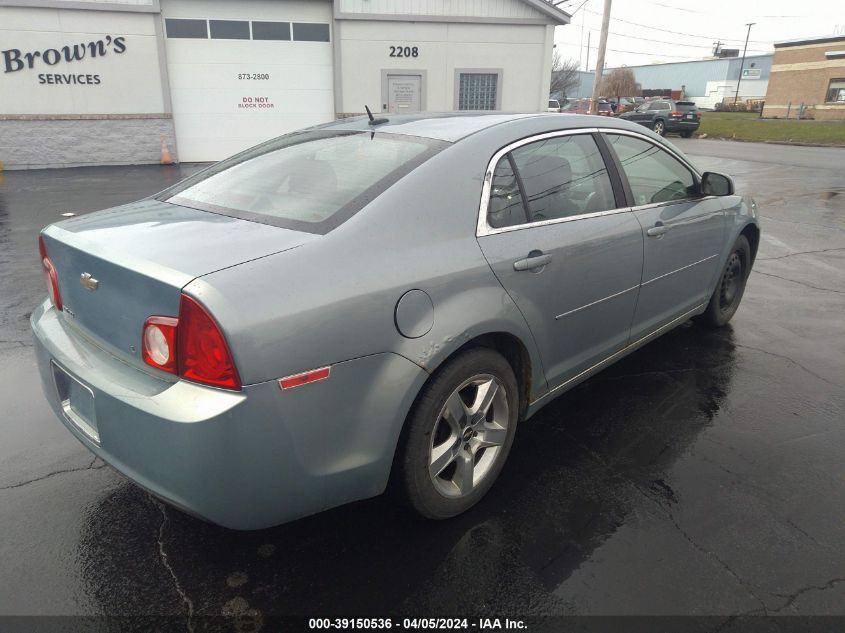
x: 54, y: 473
x: 801, y: 283
x: 792, y: 597
x: 824, y: 250
x: 163, y: 557
x: 668, y: 514
x: 791, y: 360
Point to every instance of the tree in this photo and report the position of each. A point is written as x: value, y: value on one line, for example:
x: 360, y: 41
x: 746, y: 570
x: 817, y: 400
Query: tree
x: 620, y: 82
x: 564, y: 76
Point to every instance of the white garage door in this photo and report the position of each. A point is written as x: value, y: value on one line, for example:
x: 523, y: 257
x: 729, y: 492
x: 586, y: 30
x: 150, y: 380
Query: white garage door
x: 244, y: 72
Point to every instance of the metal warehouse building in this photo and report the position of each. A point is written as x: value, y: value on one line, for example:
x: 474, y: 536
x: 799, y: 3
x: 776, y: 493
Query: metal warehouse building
x: 115, y: 81
x: 705, y: 81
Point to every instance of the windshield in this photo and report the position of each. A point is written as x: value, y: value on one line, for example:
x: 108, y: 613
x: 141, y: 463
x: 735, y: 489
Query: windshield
x: 308, y: 181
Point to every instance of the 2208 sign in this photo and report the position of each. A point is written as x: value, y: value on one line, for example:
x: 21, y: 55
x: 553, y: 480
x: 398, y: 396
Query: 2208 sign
x: 404, y: 51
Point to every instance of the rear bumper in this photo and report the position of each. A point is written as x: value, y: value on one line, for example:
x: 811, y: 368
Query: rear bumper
x: 244, y: 460
x: 680, y: 126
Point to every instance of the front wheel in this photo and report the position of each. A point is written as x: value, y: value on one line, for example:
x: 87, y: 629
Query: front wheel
x: 731, y: 285
x: 660, y: 128
x: 459, y: 434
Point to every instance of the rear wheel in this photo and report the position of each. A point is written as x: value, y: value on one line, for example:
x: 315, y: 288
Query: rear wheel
x: 660, y: 128
x: 686, y: 133
x: 731, y: 286
x: 459, y: 434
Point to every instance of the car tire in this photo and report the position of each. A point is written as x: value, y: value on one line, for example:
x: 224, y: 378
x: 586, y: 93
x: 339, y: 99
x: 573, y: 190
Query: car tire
x: 660, y: 128
x: 453, y: 447
x: 731, y: 285
x: 687, y: 133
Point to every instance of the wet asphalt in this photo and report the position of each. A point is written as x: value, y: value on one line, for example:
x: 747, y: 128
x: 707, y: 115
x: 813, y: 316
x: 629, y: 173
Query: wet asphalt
x: 702, y: 475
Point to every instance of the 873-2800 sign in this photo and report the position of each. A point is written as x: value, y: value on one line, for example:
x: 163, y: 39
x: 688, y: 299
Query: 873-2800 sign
x: 254, y: 76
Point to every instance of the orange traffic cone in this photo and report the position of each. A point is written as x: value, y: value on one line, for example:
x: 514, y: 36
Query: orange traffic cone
x: 166, y: 158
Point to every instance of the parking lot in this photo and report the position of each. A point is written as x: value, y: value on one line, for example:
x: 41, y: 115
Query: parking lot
x: 702, y: 475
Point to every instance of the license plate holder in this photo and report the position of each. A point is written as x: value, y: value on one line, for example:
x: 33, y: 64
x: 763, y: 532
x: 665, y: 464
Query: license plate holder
x: 77, y: 403
x: 690, y: 116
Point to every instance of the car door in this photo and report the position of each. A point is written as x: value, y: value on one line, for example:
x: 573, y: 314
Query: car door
x: 682, y: 231
x: 557, y: 234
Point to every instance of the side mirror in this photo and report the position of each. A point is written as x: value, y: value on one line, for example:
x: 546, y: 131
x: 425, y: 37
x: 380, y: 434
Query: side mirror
x: 715, y: 184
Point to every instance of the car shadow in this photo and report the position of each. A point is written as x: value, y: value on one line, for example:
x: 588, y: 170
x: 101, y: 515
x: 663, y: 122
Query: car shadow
x: 575, y: 472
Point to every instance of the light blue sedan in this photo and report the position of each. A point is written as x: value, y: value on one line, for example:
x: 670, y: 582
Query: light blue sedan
x: 375, y: 302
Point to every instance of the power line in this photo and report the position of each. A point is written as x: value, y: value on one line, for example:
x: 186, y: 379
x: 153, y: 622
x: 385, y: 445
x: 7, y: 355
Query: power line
x: 654, y: 28
x: 648, y: 39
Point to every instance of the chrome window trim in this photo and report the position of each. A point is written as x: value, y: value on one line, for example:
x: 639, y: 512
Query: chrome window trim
x: 483, y: 228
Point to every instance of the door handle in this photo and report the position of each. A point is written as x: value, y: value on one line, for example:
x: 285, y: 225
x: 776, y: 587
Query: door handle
x: 657, y: 230
x: 532, y: 262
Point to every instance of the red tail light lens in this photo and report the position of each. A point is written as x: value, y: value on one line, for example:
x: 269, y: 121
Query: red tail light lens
x: 677, y: 113
x: 50, y: 273
x: 201, y: 351
x: 158, y: 342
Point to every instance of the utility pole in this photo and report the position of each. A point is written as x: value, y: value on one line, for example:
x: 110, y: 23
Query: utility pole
x: 605, y: 25
x: 742, y: 63
x: 587, y: 66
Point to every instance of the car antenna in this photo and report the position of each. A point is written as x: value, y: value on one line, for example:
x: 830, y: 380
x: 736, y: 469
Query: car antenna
x: 373, y: 120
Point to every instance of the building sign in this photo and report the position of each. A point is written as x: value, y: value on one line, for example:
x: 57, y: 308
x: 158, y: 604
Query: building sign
x: 15, y: 60
x: 751, y: 73
x: 55, y: 68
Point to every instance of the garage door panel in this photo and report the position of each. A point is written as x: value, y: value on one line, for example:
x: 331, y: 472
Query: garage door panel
x: 197, y: 148
x: 249, y: 51
x: 226, y: 76
x: 251, y: 104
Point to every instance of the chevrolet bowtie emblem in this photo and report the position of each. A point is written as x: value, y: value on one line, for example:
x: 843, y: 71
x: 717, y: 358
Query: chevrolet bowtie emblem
x: 88, y: 281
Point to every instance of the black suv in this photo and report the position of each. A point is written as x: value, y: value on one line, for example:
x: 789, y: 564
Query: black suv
x: 666, y: 115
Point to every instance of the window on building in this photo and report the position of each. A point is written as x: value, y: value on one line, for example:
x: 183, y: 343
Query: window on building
x: 229, y: 29
x: 190, y: 29
x: 307, y: 32
x: 271, y: 30
x: 478, y: 91
x: 836, y: 91
x: 654, y: 175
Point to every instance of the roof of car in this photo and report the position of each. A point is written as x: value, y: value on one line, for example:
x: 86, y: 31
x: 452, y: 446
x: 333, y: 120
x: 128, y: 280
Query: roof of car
x: 453, y: 126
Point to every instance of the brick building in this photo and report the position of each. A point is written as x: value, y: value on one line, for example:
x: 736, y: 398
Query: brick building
x: 809, y: 72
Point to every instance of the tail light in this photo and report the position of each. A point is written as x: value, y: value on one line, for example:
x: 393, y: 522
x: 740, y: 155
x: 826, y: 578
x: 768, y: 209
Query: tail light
x: 676, y: 113
x: 50, y: 273
x: 158, y: 344
x: 192, y: 346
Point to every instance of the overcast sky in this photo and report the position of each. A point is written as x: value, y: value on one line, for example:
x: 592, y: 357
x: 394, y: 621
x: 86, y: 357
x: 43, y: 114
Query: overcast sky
x: 649, y: 31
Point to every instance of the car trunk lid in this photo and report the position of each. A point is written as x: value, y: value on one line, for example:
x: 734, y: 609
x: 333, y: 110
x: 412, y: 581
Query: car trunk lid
x: 120, y: 266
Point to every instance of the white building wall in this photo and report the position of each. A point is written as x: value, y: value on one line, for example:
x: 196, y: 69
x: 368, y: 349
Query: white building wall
x: 511, y: 9
x: 521, y: 52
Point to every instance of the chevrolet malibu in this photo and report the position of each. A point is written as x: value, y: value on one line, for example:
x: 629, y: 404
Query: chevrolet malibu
x: 375, y: 303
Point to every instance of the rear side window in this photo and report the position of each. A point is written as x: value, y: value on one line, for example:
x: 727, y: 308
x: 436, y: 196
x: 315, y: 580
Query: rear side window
x: 653, y: 174
x: 560, y: 177
x: 309, y: 181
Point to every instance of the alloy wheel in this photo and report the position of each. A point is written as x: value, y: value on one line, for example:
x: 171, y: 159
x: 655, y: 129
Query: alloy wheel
x: 468, y: 435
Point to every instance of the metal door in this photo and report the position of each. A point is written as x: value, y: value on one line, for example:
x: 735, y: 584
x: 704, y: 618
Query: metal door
x: 403, y: 93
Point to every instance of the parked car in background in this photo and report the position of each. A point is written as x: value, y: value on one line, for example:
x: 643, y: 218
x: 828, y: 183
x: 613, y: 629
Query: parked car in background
x: 621, y: 104
x: 271, y: 337
x: 582, y: 106
x: 554, y: 106
x: 666, y: 115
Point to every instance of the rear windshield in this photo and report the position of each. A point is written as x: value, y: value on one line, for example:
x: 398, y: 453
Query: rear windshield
x: 685, y: 106
x: 308, y: 181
